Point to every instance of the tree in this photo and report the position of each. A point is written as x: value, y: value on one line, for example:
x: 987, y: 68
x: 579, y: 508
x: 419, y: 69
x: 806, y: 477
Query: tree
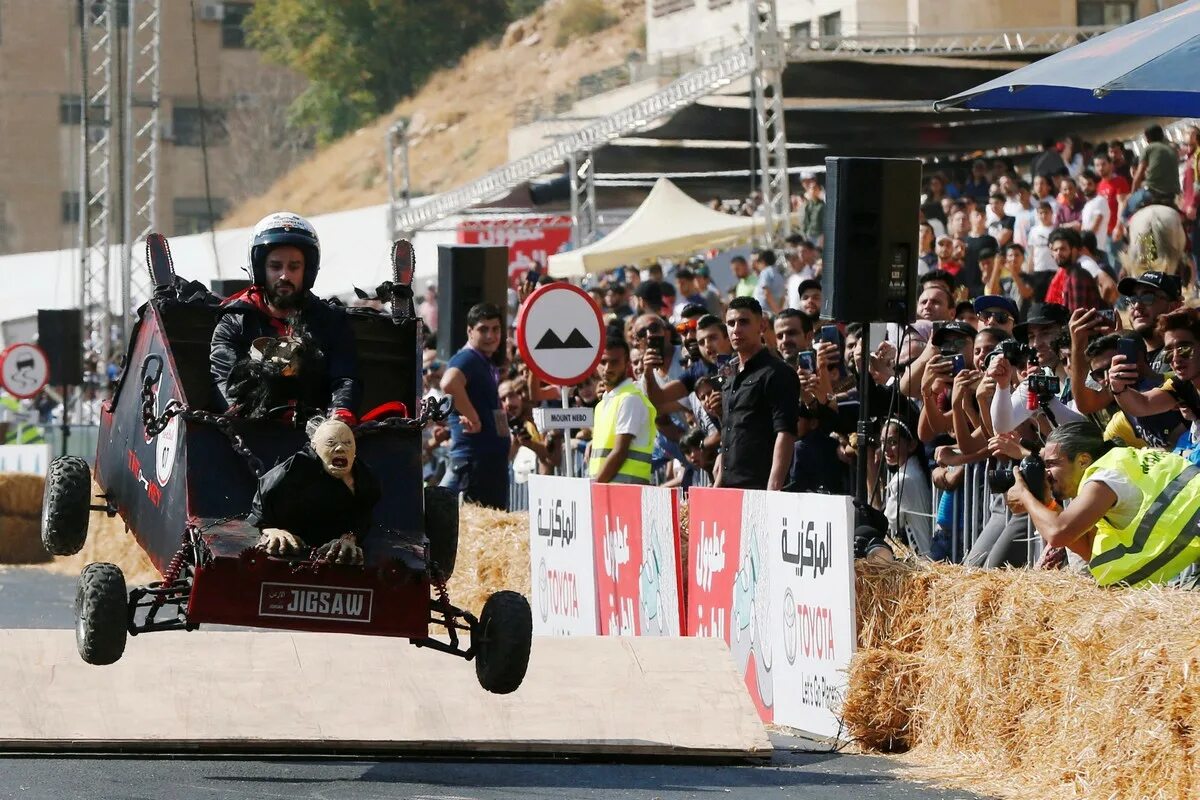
x: 362, y: 56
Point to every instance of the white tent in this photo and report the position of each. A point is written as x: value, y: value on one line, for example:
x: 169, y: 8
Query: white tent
x: 667, y: 223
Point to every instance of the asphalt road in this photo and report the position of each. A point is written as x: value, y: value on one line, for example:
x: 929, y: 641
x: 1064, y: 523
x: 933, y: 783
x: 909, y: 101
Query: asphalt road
x: 33, y: 598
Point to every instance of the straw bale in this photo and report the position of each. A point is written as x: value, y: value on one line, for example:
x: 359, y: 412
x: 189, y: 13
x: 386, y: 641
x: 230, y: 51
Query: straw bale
x: 1080, y: 691
x: 107, y: 540
x: 21, y: 494
x: 493, y: 554
x: 21, y: 540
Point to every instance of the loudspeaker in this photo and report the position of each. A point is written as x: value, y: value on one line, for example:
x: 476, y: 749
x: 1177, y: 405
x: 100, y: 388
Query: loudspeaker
x: 228, y: 287
x: 871, y: 207
x: 467, y: 275
x: 60, y: 335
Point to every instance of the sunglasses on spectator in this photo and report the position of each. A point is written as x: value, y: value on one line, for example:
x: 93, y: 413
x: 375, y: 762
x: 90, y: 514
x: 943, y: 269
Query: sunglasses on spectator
x: 1099, y: 375
x: 687, y: 325
x: 1144, y: 298
x: 1181, y: 350
x: 653, y: 327
x: 1003, y: 317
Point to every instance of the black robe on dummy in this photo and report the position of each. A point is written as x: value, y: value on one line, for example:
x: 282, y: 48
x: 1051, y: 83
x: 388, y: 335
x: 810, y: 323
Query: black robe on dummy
x: 300, y: 497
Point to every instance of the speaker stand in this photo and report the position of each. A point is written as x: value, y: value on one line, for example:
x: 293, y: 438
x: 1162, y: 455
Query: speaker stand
x: 66, y: 425
x: 864, y: 415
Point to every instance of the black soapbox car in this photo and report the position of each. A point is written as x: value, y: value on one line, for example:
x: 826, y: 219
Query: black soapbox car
x: 182, y: 479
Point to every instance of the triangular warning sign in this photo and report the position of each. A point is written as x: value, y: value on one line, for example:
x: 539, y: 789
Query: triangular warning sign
x: 550, y: 341
x: 576, y: 339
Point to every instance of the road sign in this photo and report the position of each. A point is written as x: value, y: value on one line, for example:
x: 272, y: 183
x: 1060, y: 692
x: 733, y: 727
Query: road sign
x: 560, y: 334
x: 24, y: 370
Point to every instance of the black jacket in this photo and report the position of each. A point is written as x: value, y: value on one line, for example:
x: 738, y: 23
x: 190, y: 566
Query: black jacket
x: 300, y: 497
x: 330, y: 381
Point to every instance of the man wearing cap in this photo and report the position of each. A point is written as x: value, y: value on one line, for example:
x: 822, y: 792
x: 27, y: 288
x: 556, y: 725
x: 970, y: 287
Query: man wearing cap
x: 977, y: 240
x: 810, y: 298
x: 1151, y: 295
x: 1073, y: 286
x: 996, y: 311
x: 712, y: 298
x: 649, y: 297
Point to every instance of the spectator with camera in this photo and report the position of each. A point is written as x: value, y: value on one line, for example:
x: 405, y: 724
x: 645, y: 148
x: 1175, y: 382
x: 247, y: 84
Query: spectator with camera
x: 759, y: 408
x: 1160, y: 430
x: 1133, y: 511
x: 996, y: 311
x: 1180, y: 331
x: 1151, y: 295
x: 514, y: 400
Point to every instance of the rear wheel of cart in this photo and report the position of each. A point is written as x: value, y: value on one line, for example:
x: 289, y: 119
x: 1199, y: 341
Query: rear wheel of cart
x: 101, y: 614
x: 66, y: 503
x: 502, y: 639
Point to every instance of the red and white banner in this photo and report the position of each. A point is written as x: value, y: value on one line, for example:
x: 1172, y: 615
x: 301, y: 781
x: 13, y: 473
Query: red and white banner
x: 637, y: 565
x: 529, y: 238
x: 772, y: 573
x: 560, y: 555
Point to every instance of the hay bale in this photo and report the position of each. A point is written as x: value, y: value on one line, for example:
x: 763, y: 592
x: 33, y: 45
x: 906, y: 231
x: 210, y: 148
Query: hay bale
x: 882, y: 690
x: 107, y: 540
x: 493, y: 554
x: 21, y: 494
x: 1082, y: 691
x: 21, y: 540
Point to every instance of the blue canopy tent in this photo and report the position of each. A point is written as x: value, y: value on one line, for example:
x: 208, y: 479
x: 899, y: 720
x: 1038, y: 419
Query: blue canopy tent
x: 1148, y: 68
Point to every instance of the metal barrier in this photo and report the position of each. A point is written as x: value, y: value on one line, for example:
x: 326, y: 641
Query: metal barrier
x: 971, y: 506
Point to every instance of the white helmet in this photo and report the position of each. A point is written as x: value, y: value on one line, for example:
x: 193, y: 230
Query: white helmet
x: 280, y: 228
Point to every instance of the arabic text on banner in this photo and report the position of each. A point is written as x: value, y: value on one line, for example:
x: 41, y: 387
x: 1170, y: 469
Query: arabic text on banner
x: 560, y: 556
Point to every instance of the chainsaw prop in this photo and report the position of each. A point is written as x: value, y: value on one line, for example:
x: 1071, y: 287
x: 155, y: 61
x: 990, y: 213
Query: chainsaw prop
x: 320, y: 498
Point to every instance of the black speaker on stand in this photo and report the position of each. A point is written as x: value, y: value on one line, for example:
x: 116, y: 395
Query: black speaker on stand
x: 60, y: 335
x: 870, y: 274
x: 468, y: 275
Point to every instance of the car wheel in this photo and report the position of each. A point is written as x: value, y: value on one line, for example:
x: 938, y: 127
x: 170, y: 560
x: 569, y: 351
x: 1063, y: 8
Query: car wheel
x: 502, y: 640
x: 101, y: 614
x: 441, y: 528
x: 66, y: 503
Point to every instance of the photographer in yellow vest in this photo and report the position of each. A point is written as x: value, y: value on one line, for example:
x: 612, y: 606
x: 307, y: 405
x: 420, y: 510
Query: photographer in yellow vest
x: 623, y: 433
x: 1134, y: 513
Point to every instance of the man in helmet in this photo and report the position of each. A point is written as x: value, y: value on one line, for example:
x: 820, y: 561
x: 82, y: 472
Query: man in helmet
x: 303, y: 347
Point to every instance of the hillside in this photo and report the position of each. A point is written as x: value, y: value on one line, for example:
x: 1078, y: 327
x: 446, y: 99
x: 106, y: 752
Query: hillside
x: 459, y: 120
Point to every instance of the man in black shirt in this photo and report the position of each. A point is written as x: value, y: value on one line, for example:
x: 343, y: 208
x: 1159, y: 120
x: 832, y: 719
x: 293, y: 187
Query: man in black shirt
x: 977, y: 239
x: 759, y: 408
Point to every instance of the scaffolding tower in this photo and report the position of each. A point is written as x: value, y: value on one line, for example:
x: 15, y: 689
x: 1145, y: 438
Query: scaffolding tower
x: 120, y: 54
x: 770, y: 60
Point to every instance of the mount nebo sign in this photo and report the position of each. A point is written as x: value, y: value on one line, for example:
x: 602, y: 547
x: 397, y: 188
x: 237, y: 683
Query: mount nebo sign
x: 560, y: 334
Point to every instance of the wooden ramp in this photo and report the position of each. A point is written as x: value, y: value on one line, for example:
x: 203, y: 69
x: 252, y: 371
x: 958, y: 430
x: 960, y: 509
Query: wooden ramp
x: 301, y: 692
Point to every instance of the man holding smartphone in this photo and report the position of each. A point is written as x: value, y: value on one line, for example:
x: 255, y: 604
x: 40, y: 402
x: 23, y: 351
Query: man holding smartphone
x: 760, y: 407
x: 1151, y: 295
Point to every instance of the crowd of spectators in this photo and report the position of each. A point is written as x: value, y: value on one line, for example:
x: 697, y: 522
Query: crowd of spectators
x: 1024, y: 322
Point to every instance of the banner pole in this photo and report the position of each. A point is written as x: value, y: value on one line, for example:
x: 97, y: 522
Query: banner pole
x: 567, y: 470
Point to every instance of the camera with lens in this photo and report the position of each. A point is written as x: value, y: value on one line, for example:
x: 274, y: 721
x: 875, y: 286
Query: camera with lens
x: 1044, y: 387
x: 1016, y: 353
x: 1001, y: 478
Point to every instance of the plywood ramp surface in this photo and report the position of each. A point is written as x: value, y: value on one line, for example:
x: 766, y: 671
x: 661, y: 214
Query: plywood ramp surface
x: 249, y: 691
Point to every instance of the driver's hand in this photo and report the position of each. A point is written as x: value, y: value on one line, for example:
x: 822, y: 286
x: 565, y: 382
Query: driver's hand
x: 345, y: 550
x: 278, y: 542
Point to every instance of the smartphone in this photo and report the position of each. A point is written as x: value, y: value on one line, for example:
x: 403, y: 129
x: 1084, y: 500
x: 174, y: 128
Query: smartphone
x: 1128, y: 348
x: 531, y: 277
x: 1108, y: 315
x: 957, y: 364
x: 657, y: 343
x: 807, y: 359
x: 830, y: 333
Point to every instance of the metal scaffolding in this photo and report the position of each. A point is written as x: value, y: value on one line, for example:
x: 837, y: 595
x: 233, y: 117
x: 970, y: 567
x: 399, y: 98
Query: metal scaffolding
x: 98, y: 39
x: 120, y: 132
x: 767, y: 90
x: 141, y: 131
x: 581, y: 169
x: 399, y: 178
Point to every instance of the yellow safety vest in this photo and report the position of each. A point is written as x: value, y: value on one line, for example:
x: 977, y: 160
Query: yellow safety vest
x: 1164, y: 537
x: 17, y: 433
x: 636, y: 467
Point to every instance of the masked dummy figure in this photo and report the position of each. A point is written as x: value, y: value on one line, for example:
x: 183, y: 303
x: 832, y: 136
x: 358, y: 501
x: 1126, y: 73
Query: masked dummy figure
x: 320, y: 497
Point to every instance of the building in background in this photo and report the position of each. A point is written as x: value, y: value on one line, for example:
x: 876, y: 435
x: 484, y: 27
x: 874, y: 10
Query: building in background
x: 683, y: 27
x: 245, y: 103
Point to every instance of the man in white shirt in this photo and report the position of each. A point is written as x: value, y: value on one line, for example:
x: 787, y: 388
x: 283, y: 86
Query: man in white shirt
x: 1038, y: 240
x: 771, y: 289
x: 1096, y: 210
x: 633, y: 431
